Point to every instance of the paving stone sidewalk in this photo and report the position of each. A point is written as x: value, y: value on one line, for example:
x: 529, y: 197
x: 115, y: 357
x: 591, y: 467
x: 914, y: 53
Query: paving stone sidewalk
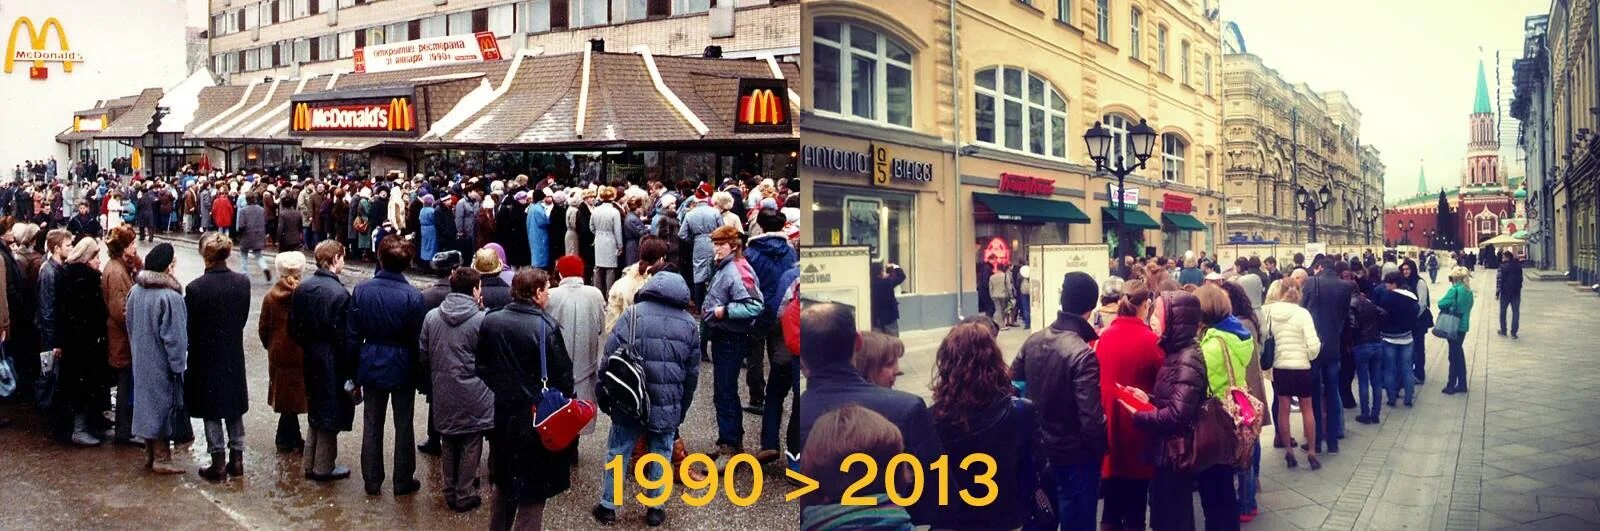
x: 1520, y: 450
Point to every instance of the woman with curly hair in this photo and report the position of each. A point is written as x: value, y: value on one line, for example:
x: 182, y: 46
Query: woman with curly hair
x: 116, y: 280
x: 974, y: 412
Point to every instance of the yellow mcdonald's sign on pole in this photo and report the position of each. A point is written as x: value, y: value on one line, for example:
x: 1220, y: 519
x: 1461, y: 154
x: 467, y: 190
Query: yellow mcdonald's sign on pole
x: 38, y: 38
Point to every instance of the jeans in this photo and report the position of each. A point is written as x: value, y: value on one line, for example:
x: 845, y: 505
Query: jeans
x: 1249, y: 482
x: 1077, y: 494
x: 214, y: 435
x: 244, y: 260
x: 1372, y: 373
x: 1399, y: 377
x: 1515, y: 303
x: 1433, y: 276
x: 405, y: 449
x: 1330, y: 425
x: 727, y: 358
x: 621, y: 442
x: 1025, y: 309
x: 1125, y: 502
x: 785, y: 373
x: 755, y: 378
x: 1458, y: 365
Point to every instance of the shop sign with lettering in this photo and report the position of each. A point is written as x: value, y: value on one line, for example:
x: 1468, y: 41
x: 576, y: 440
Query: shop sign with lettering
x: 1026, y: 185
x: 878, y: 163
x: 1177, y: 203
x: 390, y: 115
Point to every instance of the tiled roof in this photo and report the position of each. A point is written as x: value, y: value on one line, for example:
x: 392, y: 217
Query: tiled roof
x: 217, y: 107
x: 214, y: 100
x: 136, y: 121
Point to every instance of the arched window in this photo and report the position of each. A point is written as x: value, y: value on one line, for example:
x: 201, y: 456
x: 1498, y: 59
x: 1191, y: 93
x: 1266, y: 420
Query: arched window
x: 1121, y: 145
x: 1172, y: 148
x: 1020, y: 111
x: 858, y: 71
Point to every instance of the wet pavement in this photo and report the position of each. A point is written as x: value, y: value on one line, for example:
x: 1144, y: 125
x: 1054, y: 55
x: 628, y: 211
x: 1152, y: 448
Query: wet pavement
x: 49, y: 485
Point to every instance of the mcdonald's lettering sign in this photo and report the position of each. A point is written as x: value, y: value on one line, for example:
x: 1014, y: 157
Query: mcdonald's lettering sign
x: 394, y: 116
x: 763, y: 107
x: 38, y: 38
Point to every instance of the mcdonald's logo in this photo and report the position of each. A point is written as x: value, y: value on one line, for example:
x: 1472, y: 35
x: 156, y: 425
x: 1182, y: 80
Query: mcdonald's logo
x: 400, y: 117
x: 763, y: 107
x: 336, y: 116
x: 38, y: 37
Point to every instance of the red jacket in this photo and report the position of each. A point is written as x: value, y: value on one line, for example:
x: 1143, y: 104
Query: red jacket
x: 1129, y: 354
x: 222, y: 211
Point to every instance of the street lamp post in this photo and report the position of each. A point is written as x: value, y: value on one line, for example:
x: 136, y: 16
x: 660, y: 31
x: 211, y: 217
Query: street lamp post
x: 1428, y: 235
x: 1142, y: 138
x: 1313, y: 202
x: 1366, y: 216
x: 1405, y: 226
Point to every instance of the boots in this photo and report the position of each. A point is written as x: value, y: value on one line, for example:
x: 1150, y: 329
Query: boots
x: 215, y: 472
x: 235, y: 463
x: 80, y: 433
x: 161, y: 454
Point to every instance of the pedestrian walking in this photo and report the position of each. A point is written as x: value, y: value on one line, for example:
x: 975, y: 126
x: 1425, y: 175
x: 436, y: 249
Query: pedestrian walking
x: 385, y: 320
x: 1000, y: 291
x: 215, y: 385
x: 513, y: 343
x: 1457, y: 301
x: 462, y: 407
x: 286, y: 381
x: 1508, y: 290
x: 975, y: 412
x: 1296, y: 344
x: 252, y: 234
x: 116, y: 280
x: 317, y: 321
x: 158, y: 315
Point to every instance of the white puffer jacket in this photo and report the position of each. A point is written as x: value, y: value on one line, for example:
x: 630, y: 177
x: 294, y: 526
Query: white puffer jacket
x: 1296, y: 335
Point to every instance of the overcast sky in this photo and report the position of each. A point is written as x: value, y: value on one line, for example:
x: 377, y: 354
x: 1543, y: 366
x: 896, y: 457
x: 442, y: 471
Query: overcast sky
x: 197, y: 13
x: 1409, y: 67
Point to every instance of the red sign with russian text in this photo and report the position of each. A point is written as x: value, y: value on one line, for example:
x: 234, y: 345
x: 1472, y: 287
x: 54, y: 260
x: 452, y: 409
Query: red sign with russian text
x: 1026, y: 185
x: 1177, y: 203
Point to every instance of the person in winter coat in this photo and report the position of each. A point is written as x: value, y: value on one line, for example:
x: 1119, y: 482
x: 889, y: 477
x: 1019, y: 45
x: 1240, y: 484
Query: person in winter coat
x: 291, y: 227
x: 1057, y: 369
x: 653, y: 251
x: 1458, y: 301
x: 511, y: 229
x: 606, y: 222
x: 659, y: 329
x: 444, y: 226
x: 537, y: 217
x: 1327, y: 297
x: 1372, y: 372
x: 580, y: 310
x: 633, y: 229
x: 23, y: 268
x: 156, y: 312
x: 1228, y: 347
x: 974, y: 412
x: 556, y: 233
x: 885, y: 307
x: 1129, y: 356
x: 696, y: 228
x: 214, y: 388
x: 775, y: 264
x: 519, y: 351
x: 1294, y: 335
x: 1402, y: 311
x: 385, y: 319
x: 116, y: 280
x: 430, y: 234
x: 732, y: 304
x: 84, y: 224
x: 462, y: 405
x: 318, y: 312
x: 222, y: 213
x: 466, y: 220
x: 1419, y: 335
x: 496, y: 292
x: 585, y: 229
x: 1508, y: 290
x: 484, y: 223
x: 286, y: 381
x: 252, y: 234
x: 84, y: 375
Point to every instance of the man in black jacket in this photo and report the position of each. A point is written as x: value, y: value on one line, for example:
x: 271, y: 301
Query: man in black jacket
x: 885, y: 307
x: 1328, y: 300
x: 1508, y: 290
x: 317, y: 316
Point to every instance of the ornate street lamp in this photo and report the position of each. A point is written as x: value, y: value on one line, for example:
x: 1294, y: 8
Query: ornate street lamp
x: 1405, y: 226
x: 1312, y: 203
x: 1143, y: 139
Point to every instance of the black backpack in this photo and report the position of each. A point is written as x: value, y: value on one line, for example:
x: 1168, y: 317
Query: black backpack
x: 621, y: 390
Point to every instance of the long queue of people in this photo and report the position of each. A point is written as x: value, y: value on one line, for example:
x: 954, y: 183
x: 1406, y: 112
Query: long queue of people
x: 1110, y: 411
x: 502, y: 323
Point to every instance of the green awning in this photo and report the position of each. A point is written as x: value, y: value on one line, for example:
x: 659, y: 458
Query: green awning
x: 1182, y: 221
x: 1133, y: 217
x: 1030, y: 209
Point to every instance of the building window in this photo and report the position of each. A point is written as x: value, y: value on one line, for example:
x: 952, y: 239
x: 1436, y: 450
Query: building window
x: 689, y: 7
x: 1172, y: 148
x: 1161, y: 48
x: 589, y: 13
x: 1183, y: 55
x: 302, y: 8
x: 327, y: 48
x: 1135, y: 19
x: 1103, y: 20
x: 535, y: 16
x: 880, y: 220
x: 1121, y: 145
x: 253, y: 18
x: 1064, y: 11
x: 1205, y: 73
x: 503, y: 20
x: 459, y: 23
x: 347, y: 44
x: 434, y: 26
x: 1020, y: 111
x: 861, y: 73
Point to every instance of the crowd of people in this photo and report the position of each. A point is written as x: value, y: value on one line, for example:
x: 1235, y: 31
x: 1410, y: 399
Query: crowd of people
x: 540, y: 284
x: 1111, y: 410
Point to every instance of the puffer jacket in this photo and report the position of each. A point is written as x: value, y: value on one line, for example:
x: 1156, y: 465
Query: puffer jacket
x: 736, y: 288
x: 1061, y: 374
x: 770, y: 256
x: 462, y: 404
x: 385, y: 319
x: 1229, y: 342
x: 1290, y: 326
x: 1181, y: 381
x: 668, y: 339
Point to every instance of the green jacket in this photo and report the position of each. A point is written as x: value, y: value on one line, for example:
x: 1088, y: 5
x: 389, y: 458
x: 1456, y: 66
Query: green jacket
x: 1240, y: 349
x: 1459, y: 301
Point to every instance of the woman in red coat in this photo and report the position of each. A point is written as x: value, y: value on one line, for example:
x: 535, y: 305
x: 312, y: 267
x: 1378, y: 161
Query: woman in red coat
x: 1129, y: 355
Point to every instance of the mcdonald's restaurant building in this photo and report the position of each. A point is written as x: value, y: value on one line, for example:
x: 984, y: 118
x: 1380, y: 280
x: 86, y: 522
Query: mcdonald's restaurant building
x: 589, y: 116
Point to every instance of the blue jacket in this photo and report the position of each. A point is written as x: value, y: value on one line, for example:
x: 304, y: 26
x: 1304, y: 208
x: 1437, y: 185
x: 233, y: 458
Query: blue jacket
x: 669, y: 341
x: 736, y: 290
x: 538, y: 235
x: 385, y: 320
x: 771, y: 256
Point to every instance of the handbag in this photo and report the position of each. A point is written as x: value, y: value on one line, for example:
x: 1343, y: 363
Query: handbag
x: 1208, y: 442
x: 1448, y: 325
x: 1269, y: 346
x: 557, y: 419
x: 1245, y: 411
x: 178, y: 416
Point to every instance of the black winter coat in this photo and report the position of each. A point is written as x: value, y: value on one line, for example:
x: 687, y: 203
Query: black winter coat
x: 317, y: 313
x: 218, y: 304
x: 557, y: 232
x: 511, y: 232
x: 1181, y: 381
x: 81, y: 332
x: 496, y: 294
x: 885, y: 307
x: 444, y: 226
x: 1062, y: 376
x: 508, y: 361
x: 1328, y: 300
x: 1508, y: 281
x: 998, y: 432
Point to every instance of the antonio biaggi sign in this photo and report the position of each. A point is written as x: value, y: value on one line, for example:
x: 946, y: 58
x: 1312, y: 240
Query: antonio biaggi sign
x: 366, y: 114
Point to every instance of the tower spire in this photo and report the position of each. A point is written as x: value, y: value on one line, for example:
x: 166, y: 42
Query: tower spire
x: 1481, y: 103
x: 1422, y: 179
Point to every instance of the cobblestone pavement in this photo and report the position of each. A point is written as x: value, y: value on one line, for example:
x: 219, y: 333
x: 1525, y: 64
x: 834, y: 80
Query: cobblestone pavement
x: 1520, y: 450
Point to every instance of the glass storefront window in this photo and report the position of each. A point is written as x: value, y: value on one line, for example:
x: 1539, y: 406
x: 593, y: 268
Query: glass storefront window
x: 880, y: 220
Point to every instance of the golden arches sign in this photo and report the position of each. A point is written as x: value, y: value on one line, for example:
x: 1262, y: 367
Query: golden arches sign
x: 38, y: 37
